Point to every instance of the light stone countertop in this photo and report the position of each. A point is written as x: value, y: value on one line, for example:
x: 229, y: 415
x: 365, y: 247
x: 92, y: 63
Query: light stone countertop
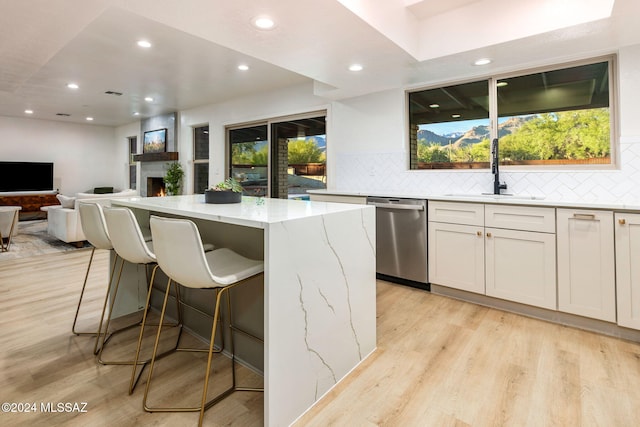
x: 491, y: 198
x: 251, y: 212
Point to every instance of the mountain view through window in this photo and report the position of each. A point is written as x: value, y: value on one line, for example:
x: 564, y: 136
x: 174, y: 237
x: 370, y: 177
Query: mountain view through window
x: 554, y: 117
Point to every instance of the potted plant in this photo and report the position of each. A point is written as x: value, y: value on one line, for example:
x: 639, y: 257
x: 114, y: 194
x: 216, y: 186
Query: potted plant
x: 227, y: 191
x: 173, y: 178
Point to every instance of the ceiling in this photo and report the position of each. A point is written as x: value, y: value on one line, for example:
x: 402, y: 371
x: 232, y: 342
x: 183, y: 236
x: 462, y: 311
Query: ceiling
x: 198, y: 44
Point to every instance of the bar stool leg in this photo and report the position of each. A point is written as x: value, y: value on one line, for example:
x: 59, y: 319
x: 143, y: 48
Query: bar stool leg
x: 134, y: 379
x: 106, y: 330
x: 84, y: 285
x: 155, y: 347
x: 204, y: 404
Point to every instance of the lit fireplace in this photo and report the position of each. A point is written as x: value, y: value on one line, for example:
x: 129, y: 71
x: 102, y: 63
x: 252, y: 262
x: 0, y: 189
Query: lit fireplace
x: 155, y: 187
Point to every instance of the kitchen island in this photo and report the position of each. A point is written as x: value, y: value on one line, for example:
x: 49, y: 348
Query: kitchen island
x: 319, y: 305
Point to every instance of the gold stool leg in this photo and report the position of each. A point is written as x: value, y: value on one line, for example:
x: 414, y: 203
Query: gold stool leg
x: 155, y: 347
x: 204, y: 405
x: 134, y: 379
x: 113, y: 300
x: 215, y: 320
x: 84, y: 285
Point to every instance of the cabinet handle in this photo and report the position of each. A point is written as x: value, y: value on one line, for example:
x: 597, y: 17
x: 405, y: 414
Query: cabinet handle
x: 488, y: 234
x: 479, y: 233
x: 622, y: 221
x: 590, y: 217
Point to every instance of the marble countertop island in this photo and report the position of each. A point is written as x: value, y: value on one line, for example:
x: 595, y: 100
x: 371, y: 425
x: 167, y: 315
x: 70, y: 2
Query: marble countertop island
x: 319, y: 286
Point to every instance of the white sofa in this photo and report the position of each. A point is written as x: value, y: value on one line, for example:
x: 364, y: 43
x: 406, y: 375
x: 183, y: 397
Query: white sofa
x: 64, y: 220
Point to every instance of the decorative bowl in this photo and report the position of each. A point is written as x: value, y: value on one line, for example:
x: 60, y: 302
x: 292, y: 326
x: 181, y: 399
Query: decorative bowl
x: 218, y: 197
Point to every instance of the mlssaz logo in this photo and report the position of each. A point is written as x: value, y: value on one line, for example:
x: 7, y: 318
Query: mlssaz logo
x: 63, y: 407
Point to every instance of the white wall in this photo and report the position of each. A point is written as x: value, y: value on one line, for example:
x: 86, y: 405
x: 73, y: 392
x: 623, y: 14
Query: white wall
x: 83, y: 155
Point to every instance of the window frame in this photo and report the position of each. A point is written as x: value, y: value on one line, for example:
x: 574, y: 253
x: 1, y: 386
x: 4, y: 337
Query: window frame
x: 268, y: 122
x: 492, y: 79
x: 195, y: 161
x: 132, y: 144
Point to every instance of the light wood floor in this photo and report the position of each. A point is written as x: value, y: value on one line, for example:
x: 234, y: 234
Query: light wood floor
x: 439, y: 362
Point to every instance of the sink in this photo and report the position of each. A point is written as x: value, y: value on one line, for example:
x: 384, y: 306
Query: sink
x: 496, y: 196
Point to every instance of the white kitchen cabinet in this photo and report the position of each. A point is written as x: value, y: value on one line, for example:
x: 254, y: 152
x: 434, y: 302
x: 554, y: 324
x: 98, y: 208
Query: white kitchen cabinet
x: 521, y: 266
x: 516, y: 264
x: 586, y: 263
x: 456, y: 256
x: 627, y: 241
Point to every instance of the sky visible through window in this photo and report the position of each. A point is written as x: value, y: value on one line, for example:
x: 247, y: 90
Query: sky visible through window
x: 448, y: 128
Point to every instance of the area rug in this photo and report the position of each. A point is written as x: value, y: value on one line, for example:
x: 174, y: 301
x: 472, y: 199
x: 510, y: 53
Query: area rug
x: 32, y: 240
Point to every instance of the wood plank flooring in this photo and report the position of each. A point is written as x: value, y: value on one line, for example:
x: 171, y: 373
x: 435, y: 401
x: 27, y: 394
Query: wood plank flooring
x: 439, y: 362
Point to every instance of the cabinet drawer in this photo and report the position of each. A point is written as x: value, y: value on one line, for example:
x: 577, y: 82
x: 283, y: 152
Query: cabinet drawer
x: 525, y: 218
x: 356, y: 200
x: 456, y: 213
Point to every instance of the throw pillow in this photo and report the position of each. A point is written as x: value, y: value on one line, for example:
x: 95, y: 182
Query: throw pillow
x: 66, y: 201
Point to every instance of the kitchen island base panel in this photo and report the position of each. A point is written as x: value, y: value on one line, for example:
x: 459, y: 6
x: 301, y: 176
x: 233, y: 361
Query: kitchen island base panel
x: 320, y: 307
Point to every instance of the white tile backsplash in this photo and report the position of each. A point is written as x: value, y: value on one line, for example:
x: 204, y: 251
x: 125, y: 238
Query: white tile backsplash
x: 388, y: 172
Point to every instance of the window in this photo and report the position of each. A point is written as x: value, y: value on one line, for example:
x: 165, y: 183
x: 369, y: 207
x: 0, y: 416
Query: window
x: 200, y: 159
x: 558, y: 116
x: 300, y: 149
x: 279, y: 158
x: 133, y: 149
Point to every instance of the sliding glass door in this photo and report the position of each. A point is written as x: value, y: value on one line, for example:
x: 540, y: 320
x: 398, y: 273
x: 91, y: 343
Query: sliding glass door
x: 280, y: 158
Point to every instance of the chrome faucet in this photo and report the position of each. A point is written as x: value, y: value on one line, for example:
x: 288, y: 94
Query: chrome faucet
x: 495, y: 160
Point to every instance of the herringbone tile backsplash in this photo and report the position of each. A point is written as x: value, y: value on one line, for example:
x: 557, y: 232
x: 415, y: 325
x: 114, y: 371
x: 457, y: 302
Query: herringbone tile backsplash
x: 386, y: 173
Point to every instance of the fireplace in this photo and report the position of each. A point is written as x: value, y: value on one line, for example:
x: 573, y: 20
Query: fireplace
x: 155, y: 187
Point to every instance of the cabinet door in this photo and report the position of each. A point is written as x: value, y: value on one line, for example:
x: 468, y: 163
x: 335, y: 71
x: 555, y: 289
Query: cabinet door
x: 456, y: 256
x: 627, y: 233
x: 521, y: 266
x: 586, y: 264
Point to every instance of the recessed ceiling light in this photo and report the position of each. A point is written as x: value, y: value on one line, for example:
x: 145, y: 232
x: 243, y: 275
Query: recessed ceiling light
x: 73, y: 86
x: 136, y: 113
x: 482, y: 61
x: 28, y: 111
x: 243, y: 67
x: 148, y: 99
x: 144, y: 43
x: 89, y: 119
x: 434, y: 106
x: 456, y: 116
x: 355, y: 67
x: 264, y: 22
x: 502, y: 84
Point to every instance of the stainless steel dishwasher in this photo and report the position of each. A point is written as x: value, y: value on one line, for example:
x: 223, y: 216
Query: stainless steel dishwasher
x: 401, y: 239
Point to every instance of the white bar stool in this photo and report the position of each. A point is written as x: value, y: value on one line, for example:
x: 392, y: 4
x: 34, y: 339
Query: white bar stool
x: 95, y: 229
x: 181, y: 256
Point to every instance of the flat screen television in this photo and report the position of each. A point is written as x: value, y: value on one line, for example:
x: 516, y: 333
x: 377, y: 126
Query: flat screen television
x: 26, y: 176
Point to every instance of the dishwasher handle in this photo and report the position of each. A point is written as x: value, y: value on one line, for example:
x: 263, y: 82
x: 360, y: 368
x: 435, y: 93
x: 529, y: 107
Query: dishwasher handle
x: 397, y: 206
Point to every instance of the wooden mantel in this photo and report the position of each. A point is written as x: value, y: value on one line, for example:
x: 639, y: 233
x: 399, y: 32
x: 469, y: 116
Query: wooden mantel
x: 156, y: 157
